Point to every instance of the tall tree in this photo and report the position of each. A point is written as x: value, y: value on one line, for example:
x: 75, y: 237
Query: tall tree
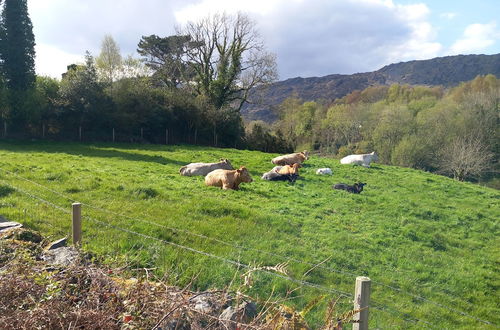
x: 165, y: 57
x: 109, y: 62
x: 18, y: 46
x: 229, y: 59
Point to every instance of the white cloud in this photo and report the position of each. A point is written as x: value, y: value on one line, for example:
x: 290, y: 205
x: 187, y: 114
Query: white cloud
x: 310, y: 38
x: 448, y: 15
x: 320, y: 37
x: 476, y: 38
x: 52, y: 61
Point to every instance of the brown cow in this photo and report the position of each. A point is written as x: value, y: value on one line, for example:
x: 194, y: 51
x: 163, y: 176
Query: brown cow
x: 287, y: 169
x: 298, y: 157
x: 227, y: 179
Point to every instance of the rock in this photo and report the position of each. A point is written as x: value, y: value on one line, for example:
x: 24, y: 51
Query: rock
x: 65, y: 256
x: 204, y: 303
x: 8, y: 225
x: 57, y: 244
x: 175, y: 324
x: 243, y: 313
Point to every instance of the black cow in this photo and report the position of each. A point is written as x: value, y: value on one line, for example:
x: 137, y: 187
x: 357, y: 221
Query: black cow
x: 355, y: 188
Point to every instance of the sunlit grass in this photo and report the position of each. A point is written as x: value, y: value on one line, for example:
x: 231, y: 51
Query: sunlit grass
x: 423, y: 234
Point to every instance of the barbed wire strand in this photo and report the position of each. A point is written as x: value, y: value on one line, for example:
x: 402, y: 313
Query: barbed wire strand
x: 256, y: 250
x: 229, y: 261
x: 399, y: 315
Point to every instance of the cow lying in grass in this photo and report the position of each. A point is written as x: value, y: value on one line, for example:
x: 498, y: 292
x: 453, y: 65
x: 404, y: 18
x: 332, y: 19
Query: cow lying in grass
x: 291, y: 159
x: 227, y: 179
x: 205, y: 168
x: 287, y: 169
x: 363, y: 159
x: 355, y: 188
x: 282, y: 173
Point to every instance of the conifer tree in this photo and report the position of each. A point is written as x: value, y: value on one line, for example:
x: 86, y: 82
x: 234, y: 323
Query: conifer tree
x: 17, y: 51
x: 18, y: 45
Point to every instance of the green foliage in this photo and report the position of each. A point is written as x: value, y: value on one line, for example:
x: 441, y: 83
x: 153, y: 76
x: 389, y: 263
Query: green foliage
x: 407, y: 125
x: 109, y: 62
x: 18, y: 46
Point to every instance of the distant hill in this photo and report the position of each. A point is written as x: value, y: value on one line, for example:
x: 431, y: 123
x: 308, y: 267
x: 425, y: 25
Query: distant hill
x: 447, y: 71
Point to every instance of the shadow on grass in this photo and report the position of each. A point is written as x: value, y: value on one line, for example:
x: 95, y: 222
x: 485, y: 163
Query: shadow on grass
x: 92, y: 150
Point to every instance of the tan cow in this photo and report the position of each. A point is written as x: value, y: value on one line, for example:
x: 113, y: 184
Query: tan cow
x: 205, y: 168
x: 298, y: 157
x: 287, y: 169
x: 227, y: 179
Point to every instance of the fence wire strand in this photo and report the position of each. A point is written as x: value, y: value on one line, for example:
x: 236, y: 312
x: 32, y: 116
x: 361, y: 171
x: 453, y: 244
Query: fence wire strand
x: 238, y: 264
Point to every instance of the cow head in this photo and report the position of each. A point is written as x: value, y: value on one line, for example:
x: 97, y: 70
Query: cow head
x: 374, y: 157
x: 244, y: 175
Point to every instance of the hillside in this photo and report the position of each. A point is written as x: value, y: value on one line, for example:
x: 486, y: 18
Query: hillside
x: 447, y: 71
x: 429, y: 243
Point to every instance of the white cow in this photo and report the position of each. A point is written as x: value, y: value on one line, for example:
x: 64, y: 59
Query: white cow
x: 363, y: 159
x: 205, y: 168
x: 323, y: 171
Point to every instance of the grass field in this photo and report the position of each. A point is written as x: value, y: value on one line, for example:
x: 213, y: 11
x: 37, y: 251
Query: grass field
x: 431, y: 245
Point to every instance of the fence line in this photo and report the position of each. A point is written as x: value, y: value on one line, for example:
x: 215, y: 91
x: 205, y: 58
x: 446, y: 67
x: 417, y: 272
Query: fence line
x: 235, y: 246
x: 229, y: 261
x: 232, y: 262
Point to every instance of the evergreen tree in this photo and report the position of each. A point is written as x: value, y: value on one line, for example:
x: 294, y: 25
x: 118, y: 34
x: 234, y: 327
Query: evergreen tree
x: 18, y: 43
x: 17, y: 51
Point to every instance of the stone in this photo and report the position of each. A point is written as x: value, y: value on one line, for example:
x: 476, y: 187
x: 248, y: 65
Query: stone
x: 57, y: 244
x: 203, y: 303
x: 8, y: 225
x: 64, y: 256
x: 243, y: 313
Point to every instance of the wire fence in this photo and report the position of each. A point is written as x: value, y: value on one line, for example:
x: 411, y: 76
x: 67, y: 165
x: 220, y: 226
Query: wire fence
x: 36, y: 219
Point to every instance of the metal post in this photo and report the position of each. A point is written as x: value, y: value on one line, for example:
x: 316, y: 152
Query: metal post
x: 77, y: 223
x: 361, y: 300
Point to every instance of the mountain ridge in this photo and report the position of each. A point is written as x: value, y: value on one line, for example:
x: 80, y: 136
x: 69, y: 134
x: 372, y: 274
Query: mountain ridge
x: 447, y: 71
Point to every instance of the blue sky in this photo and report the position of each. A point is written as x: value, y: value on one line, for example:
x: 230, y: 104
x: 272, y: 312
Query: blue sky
x: 309, y: 37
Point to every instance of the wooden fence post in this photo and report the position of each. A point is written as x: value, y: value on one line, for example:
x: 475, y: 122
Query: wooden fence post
x: 77, y: 223
x: 142, y: 134
x: 362, y: 300
x: 4, y: 129
x: 166, y: 136
x: 80, y: 133
x: 113, y: 135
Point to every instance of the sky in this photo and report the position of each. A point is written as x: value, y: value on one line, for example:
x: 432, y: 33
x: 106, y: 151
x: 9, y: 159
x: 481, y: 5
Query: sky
x: 309, y: 37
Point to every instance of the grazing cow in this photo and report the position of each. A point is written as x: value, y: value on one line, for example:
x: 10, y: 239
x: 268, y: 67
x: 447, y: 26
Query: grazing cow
x: 363, y: 159
x: 227, y: 179
x: 205, y: 168
x: 324, y: 171
x: 287, y: 169
x: 291, y: 159
x: 355, y: 188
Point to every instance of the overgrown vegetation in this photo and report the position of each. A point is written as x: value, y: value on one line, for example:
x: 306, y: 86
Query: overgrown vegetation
x: 432, y: 239
x: 38, y: 293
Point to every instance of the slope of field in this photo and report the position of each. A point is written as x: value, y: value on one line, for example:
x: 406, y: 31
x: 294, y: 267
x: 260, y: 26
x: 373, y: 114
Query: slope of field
x: 430, y: 244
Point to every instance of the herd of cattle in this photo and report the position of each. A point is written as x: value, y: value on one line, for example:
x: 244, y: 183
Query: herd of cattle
x: 223, y: 175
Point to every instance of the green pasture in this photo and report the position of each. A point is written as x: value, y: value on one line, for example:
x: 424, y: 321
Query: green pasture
x: 431, y: 245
